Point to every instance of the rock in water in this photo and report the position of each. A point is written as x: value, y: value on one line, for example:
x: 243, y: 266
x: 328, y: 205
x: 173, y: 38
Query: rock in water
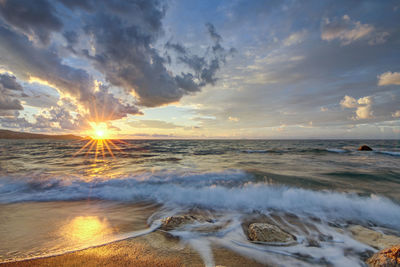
x: 373, y: 238
x: 364, y: 148
x: 178, y: 221
x: 389, y: 257
x: 269, y: 233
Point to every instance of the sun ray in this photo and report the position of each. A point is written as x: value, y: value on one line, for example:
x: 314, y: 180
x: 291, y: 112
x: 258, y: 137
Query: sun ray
x: 91, y: 147
x: 108, y: 148
x: 117, y: 147
x: 82, y: 148
x: 102, y: 148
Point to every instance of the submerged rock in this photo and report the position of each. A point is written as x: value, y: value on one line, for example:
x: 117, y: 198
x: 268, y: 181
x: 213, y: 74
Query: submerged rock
x: 364, y: 148
x: 389, y: 257
x: 373, y: 238
x: 178, y: 221
x: 269, y: 233
x: 312, y: 243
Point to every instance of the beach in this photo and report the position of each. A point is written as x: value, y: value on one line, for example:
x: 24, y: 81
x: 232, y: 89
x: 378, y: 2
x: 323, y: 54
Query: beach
x: 155, y: 249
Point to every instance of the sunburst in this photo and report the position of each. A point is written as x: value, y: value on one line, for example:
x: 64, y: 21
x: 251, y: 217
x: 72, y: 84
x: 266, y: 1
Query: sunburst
x: 100, y: 142
x: 101, y: 138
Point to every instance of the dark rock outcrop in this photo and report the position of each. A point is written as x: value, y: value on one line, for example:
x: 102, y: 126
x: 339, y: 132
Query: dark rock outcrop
x: 364, y: 148
x: 389, y: 257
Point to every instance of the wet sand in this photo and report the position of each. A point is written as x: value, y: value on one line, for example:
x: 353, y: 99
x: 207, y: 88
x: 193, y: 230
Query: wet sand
x: 154, y: 249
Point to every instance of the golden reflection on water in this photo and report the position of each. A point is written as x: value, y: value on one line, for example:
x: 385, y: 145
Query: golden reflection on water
x: 86, y: 229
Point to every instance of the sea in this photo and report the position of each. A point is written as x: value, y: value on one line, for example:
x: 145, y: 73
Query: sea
x: 58, y: 196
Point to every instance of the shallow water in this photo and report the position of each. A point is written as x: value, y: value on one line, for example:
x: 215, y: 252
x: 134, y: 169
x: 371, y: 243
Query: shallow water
x: 52, y: 201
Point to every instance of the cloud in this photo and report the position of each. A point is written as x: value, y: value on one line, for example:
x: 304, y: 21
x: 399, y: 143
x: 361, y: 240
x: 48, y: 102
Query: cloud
x: 349, y: 31
x: 105, y: 106
x: 26, y: 60
x: 295, y: 38
x: 56, y: 118
x: 389, y: 78
x: 362, y: 106
x: 41, y: 65
x: 8, y: 88
x: 348, y: 102
x: 364, y: 112
x: 14, y: 122
x: 234, y: 119
x: 396, y: 114
x: 124, y: 34
x: 34, y: 18
x: 118, y: 38
x: 155, y: 124
x: 9, y: 82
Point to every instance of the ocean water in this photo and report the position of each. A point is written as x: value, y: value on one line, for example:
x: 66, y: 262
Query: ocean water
x: 54, y: 200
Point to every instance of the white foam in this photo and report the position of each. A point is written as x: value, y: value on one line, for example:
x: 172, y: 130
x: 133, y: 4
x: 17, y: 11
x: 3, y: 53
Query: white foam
x: 391, y: 153
x: 336, y: 150
x: 224, y: 191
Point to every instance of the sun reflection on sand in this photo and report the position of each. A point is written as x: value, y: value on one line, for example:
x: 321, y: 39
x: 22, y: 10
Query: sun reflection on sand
x: 86, y: 230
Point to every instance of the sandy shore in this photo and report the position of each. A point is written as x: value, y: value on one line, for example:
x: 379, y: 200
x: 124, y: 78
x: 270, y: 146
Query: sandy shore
x: 154, y: 249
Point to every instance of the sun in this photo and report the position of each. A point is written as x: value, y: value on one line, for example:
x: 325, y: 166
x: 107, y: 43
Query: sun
x: 100, y: 131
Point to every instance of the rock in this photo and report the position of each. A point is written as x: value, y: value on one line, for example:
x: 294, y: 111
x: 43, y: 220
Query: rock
x: 364, y: 148
x: 178, y: 221
x: 269, y: 233
x: 373, y: 238
x: 312, y: 243
x: 389, y: 257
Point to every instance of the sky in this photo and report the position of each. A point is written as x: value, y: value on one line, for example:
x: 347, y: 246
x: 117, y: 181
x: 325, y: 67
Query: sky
x: 201, y: 69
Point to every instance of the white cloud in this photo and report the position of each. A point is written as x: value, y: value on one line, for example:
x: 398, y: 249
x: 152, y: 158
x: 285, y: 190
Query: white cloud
x: 362, y: 106
x: 389, y: 78
x: 295, y: 38
x: 366, y: 100
x: 348, y: 102
x: 364, y: 112
x: 348, y: 31
x: 235, y: 119
x: 396, y: 114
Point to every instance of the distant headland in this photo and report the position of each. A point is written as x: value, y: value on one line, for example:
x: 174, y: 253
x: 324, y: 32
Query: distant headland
x: 7, y: 134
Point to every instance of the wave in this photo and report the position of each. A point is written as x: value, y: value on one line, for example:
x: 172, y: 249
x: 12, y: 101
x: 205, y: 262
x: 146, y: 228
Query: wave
x: 390, y: 153
x: 298, y: 150
x: 257, y: 151
x: 336, y: 150
x: 230, y: 190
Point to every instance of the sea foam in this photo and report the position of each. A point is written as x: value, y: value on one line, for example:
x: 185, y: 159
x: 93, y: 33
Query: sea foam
x: 230, y: 190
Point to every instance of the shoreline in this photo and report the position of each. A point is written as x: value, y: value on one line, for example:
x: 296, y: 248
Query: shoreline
x: 153, y: 249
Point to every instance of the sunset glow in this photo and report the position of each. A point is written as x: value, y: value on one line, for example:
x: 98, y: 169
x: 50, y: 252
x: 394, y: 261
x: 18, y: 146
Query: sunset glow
x: 100, y: 131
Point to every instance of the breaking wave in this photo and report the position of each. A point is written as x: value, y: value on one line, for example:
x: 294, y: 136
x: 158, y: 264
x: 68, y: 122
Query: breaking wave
x: 229, y: 190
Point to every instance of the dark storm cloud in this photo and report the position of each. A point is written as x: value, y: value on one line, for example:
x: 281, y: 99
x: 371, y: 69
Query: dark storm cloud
x: 213, y: 33
x: 106, y: 106
x: 8, y: 88
x: 117, y: 37
x: 125, y: 54
x: 204, y: 67
x: 8, y: 103
x: 32, y: 17
x: 10, y: 82
x: 71, y: 37
x: 24, y: 59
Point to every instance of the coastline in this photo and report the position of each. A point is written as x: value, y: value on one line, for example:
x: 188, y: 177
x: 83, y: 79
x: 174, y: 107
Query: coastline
x: 153, y: 249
